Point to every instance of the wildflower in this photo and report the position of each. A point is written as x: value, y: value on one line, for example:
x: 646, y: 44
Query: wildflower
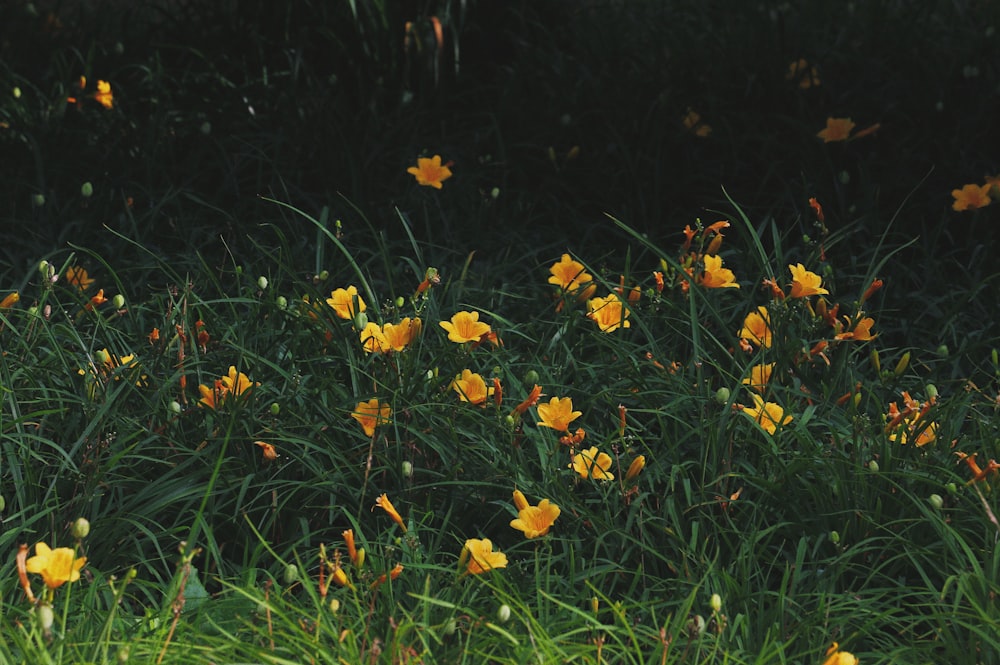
x: 803, y: 73
x: 96, y: 300
x: 78, y: 277
x: 759, y: 377
x: 235, y: 383
x: 466, y: 327
x: 592, y: 464
x: 104, y: 96
x: 971, y: 197
x: 608, y: 313
x: 837, y: 129
x: 430, y: 172
x: 861, y: 331
x: 399, y: 335
x: 396, y: 571
x: 480, y: 557
x: 10, y: 300
x: 910, y: 425
x: 267, y: 450
x: 658, y: 279
x: 530, y: 401
x: 346, y: 302
x: 757, y: 328
x: 558, y: 414
x: 56, y: 566
x: 815, y: 205
x: 978, y: 474
x: 373, y: 340
x: 635, y: 468
x: 767, y: 414
x: 715, y: 276
x: 472, y: 388
x: 574, y: 439
x: 569, y: 275
x: 835, y: 657
x: 534, y: 521
x: 370, y: 414
x: 385, y: 504
x: 692, y: 122
x: 352, y: 550
x: 153, y: 336
x: 805, y: 283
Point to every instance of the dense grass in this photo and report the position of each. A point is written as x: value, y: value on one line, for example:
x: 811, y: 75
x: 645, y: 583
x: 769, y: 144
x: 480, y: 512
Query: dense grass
x: 248, y: 169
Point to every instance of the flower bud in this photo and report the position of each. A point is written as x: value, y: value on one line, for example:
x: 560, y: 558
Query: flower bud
x: 450, y: 627
x: 101, y: 357
x: 360, y: 320
x: 875, y: 360
x: 943, y: 350
x: 275, y: 408
x: 716, y: 602
x: 635, y: 468
x: 38, y: 200
x: 46, y: 617
x: 503, y: 613
x: 722, y: 395
x: 495, y: 193
x: 334, y: 605
x: 118, y: 301
x: 262, y: 282
x: 952, y: 488
x: 873, y: 466
x: 81, y: 528
x: 531, y: 377
x: 359, y: 564
x: 407, y: 469
x: 281, y: 302
x: 86, y: 190
x: 175, y: 407
x: 16, y: 92
x: 903, y: 363
x: 3, y: 503
x: 291, y: 574
x: 936, y: 501
x: 323, y: 275
x: 595, y: 604
x: 400, y: 301
x: 835, y: 537
x: 206, y: 128
x: 931, y: 390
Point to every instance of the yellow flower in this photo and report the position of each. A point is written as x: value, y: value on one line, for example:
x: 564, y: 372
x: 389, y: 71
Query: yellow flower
x: 481, y: 557
x: 465, y: 327
x: 804, y: 73
x: 370, y: 414
x: 78, y: 277
x: 608, y: 313
x: 267, y: 450
x: 805, y: 283
x: 399, y: 335
x: 430, y: 172
x: 10, y: 300
x: 471, y: 388
x: 757, y: 328
x: 569, y: 275
x: 635, y: 468
x: 534, y: 521
x: 692, y: 122
x: 715, y: 276
x: 56, y: 566
x: 835, y: 657
x: 767, y: 414
x: 592, y: 464
x: 373, y: 340
x: 385, y: 504
x: 971, y: 197
x: 104, y: 96
x: 759, y: 377
x: 235, y: 383
x: 837, y: 129
x: 916, y: 431
x: 861, y: 332
x: 558, y: 413
x: 343, y: 302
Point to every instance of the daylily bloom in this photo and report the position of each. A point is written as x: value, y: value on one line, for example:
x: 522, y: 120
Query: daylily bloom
x: 370, y: 414
x: 692, y: 122
x: 480, y: 557
x: 104, y: 96
x: 767, y: 414
x: 569, y: 275
x: 78, y: 277
x: 56, y: 566
x: 346, y: 302
x: 235, y: 383
x: 805, y: 283
x: 267, y: 450
x: 399, y: 335
x: 835, y: 657
x: 530, y: 401
x: 759, y: 377
x: 861, y: 332
x: 971, y: 197
x: 608, y: 313
x: 430, y: 172
x: 803, y: 73
x: 534, y: 521
x: 837, y: 129
x: 715, y: 276
x: 756, y: 328
x: 96, y: 300
x: 592, y: 464
x: 465, y: 327
x: 558, y: 413
x: 373, y: 340
x: 385, y: 504
x: 471, y: 388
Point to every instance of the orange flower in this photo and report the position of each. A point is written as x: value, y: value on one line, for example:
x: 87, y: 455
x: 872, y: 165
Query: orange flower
x: 692, y: 122
x: 715, y: 276
x: 635, y: 468
x: 759, y: 377
x: 558, y: 414
x: 373, y: 340
x: 608, y: 313
x: 370, y: 414
x: 465, y: 327
x: 971, y: 197
x: 104, y: 96
x: 352, y: 550
x: 78, y: 277
x: 530, y: 401
x: 268, y: 451
x: 346, y: 302
x: 479, y: 557
x: 757, y: 328
x: 472, y: 388
x: 592, y: 464
x: 385, y: 504
x: 767, y: 414
x: 534, y: 521
x: 861, y: 332
x: 10, y: 300
x: 56, y: 566
x: 430, y: 172
x: 569, y: 275
x: 399, y: 335
x: 804, y: 74
x: 835, y: 657
x: 805, y: 283
x: 837, y: 129
x: 235, y: 383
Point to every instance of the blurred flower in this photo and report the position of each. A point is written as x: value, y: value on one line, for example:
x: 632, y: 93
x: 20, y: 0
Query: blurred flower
x: 759, y: 377
x: 430, y: 172
x: 803, y: 73
x: 56, y: 566
x: 370, y: 414
x: 835, y: 657
x: 692, y: 122
x: 465, y: 327
x: 104, y: 95
x: 608, y: 313
x: 530, y: 401
x: 805, y: 283
x: 10, y: 300
x: 534, y: 521
x: 860, y: 332
x: 837, y: 129
x: 558, y: 413
x: 715, y: 276
x: 235, y: 383
x: 373, y: 340
x: 756, y: 328
x: 267, y: 450
x: 399, y: 335
x: 385, y: 504
x: 471, y: 388
x: 592, y: 464
x: 635, y: 468
x: 78, y: 277
x: 767, y: 414
x: 971, y: 197
x: 343, y: 302
x: 569, y: 275
x: 911, y: 424
x: 480, y: 556
x: 95, y: 300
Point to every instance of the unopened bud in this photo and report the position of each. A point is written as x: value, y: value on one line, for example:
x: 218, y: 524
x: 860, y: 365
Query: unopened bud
x: 716, y: 602
x: 81, y: 528
x: 873, y: 466
x: 206, y: 128
x: 86, y: 190
x: 407, y: 469
x: 495, y: 192
x: 450, y: 627
x: 503, y: 613
x: 38, y: 200
x: 46, y: 617
x: 118, y: 301
x: 875, y: 361
x: 595, y: 604
x: 903, y: 363
x: 931, y: 390
x: 943, y: 350
x: 16, y: 92
x: 102, y: 357
x: 359, y: 564
x: 936, y: 501
x: 952, y: 488
x: 262, y: 282
x: 834, y: 537
x: 175, y: 407
x: 275, y: 408
x: 323, y: 275
x: 334, y: 605
x: 400, y: 301
x: 531, y: 378
x: 722, y: 395
x: 281, y: 302
x: 360, y: 320
x: 291, y: 574
x: 3, y: 503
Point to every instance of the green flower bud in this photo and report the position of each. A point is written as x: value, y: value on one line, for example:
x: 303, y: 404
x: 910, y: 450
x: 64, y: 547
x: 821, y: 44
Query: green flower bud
x: 81, y: 528
x: 16, y: 92
x: 873, y: 466
x: 503, y: 613
x: 281, y: 302
x: 101, y: 357
x: 360, y: 320
x: 118, y: 301
x: 291, y: 574
x: 952, y: 488
x: 262, y: 282
x: 931, y: 390
x: 450, y: 627
x: 175, y: 407
x: 531, y: 378
x: 275, y: 408
x: 722, y: 395
x: 943, y: 350
x: 323, y: 275
x: 38, y: 200
x: 334, y: 605
x: 903, y: 363
x: 495, y: 192
x: 3, y: 503
x: 46, y: 617
x: 936, y: 501
x: 716, y: 602
x: 834, y: 537
x: 86, y: 190
x: 400, y: 301
x: 206, y: 128
x: 407, y: 469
